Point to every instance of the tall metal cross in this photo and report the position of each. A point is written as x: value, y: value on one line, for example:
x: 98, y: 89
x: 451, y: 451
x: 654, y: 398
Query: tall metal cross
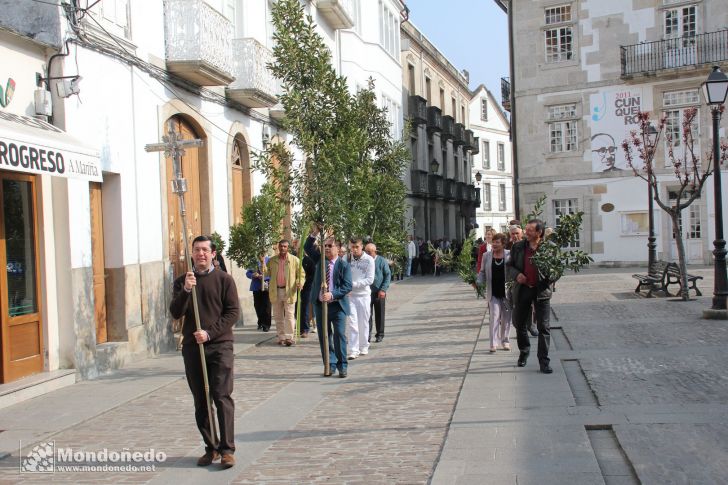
x: 174, y: 147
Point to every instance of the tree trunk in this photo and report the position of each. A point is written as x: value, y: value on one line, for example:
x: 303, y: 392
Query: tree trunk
x: 684, y: 293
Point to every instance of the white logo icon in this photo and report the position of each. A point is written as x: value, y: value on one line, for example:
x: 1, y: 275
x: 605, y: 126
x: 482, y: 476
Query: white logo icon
x: 40, y: 459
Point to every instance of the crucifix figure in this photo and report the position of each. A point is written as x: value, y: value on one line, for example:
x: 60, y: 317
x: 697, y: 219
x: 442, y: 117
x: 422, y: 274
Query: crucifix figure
x: 174, y: 147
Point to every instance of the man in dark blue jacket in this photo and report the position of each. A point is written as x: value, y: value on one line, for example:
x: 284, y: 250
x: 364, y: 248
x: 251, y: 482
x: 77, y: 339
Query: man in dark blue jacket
x: 382, y: 279
x: 339, y: 285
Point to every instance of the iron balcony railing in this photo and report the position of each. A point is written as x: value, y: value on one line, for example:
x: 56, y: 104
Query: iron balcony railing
x: 459, y: 138
x: 650, y: 57
x: 476, y: 145
x: 506, y: 93
x: 434, y: 119
x: 469, y: 140
x: 477, y: 197
x: 437, y: 190
x: 448, y: 128
x: 198, y: 42
x: 459, y: 191
x: 419, y: 183
x: 418, y: 110
x: 450, y: 189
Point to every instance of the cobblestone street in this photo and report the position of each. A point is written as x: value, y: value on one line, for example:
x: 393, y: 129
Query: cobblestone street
x: 385, y: 423
x: 637, y: 396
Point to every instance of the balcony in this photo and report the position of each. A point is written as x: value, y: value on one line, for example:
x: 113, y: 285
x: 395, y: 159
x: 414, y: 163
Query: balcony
x: 459, y: 135
x: 650, y: 57
x: 434, y: 119
x: 459, y: 191
x: 254, y: 85
x: 338, y: 13
x: 198, y: 42
x: 476, y: 145
x: 506, y: 93
x: 418, y: 110
x: 467, y: 194
x: 469, y: 140
x: 437, y: 189
x: 473, y: 193
x: 448, y: 128
x: 450, y: 186
x: 477, y: 197
x: 419, y: 183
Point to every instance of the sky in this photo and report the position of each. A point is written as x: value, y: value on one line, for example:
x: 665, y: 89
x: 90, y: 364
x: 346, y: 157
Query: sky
x: 472, y: 34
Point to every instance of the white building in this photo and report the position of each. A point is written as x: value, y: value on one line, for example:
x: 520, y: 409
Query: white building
x: 104, y: 248
x: 369, y: 48
x: 580, y: 72
x: 493, y: 161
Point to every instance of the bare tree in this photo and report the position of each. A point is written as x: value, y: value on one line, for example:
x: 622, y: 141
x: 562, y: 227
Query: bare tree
x: 690, y: 170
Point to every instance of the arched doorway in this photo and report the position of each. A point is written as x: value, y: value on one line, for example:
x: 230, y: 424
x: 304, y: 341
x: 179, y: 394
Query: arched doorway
x: 190, y: 171
x: 242, y: 193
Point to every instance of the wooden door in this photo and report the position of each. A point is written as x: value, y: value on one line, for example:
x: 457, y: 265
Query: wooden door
x: 98, y: 262
x: 22, y: 324
x: 241, y: 178
x: 190, y: 171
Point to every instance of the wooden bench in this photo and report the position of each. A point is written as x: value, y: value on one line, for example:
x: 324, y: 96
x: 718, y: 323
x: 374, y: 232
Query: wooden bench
x: 672, y: 276
x: 655, y: 279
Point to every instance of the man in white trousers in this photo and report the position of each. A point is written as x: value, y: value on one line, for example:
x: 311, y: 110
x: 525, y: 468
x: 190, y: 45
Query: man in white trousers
x: 362, y: 276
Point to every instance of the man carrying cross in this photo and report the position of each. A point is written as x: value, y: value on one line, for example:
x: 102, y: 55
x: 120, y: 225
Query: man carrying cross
x: 207, y: 331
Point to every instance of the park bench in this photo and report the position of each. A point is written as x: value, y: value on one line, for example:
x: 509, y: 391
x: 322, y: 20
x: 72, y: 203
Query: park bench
x: 661, y: 276
x: 655, y: 279
x: 672, y: 276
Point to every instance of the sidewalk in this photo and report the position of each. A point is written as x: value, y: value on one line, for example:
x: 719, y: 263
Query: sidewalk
x: 42, y: 417
x: 638, y: 395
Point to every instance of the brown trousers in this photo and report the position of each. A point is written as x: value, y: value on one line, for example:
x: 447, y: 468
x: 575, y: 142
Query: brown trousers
x: 220, y: 358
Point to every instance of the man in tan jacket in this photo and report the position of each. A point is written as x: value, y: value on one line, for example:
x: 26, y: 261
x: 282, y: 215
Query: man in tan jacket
x: 286, y: 278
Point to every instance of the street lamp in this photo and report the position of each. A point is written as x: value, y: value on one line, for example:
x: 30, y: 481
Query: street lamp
x: 651, y: 240
x: 434, y: 167
x: 478, y: 177
x: 715, y: 89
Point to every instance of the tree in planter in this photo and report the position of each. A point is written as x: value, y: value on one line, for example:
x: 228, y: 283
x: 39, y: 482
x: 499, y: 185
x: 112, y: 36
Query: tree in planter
x: 690, y: 170
x: 259, y: 230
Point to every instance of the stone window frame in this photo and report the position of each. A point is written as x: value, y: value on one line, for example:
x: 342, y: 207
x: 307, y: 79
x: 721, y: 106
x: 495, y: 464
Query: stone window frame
x: 556, y: 27
x: 566, y: 117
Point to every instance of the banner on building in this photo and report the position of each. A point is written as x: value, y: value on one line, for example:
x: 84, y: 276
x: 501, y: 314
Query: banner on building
x: 613, y: 114
x: 32, y: 146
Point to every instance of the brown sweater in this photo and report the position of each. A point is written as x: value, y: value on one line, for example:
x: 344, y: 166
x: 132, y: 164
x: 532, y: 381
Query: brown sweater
x: 217, y: 300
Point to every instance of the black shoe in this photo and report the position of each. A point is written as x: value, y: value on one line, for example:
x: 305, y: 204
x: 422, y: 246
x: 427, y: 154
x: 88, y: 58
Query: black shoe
x: 266, y: 329
x: 532, y: 330
x: 379, y: 338
x: 546, y: 369
x: 522, y: 360
x: 342, y: 373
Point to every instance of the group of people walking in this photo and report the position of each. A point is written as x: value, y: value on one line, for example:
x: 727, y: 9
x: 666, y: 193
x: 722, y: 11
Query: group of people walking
x: 516, y: 292
x: 353, y: 287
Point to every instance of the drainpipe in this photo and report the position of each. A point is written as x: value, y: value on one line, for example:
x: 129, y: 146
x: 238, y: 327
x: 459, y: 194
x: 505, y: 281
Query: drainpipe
x: 514, y: 137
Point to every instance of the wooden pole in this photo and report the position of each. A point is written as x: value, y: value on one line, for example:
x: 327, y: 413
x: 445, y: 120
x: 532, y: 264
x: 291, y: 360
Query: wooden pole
x: 325, y: 310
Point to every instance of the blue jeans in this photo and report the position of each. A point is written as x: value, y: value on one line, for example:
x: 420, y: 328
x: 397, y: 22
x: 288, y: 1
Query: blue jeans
x: 408, y: 272
x: 337, y: 335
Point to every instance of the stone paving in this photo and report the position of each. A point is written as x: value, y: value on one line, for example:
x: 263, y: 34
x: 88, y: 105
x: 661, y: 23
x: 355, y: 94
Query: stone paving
x: 385, y: 423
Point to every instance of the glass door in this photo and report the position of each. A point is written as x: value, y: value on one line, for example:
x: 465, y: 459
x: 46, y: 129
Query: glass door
x: 22, y: 329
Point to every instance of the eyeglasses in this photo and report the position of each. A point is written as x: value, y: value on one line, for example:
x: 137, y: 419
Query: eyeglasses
x: 328, y: 245
x: 201, y: 250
